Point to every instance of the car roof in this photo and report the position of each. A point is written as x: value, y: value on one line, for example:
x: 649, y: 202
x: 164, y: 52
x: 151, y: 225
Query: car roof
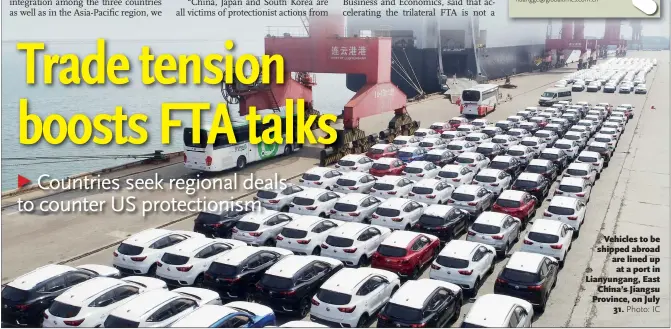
x: 491, y: 310
x: 236, y: 256
x: 39, y: 275
x: 552, y: 150
x: 504, y: 121
x: 532, y: 139
x: 469, y: 155
x: 580, y: 165
x: 512, y: 195
x: 389, y: 179
x: 409, y: 148
x: 549, y: 226
x: 386, y: 160
x: 431, y: 139
x: 87, y: 289
x: 564, y: 141
x: 204, y: 316
x: 489, y: 172
x: 418, y: 164
x: 395, y: 203
x: 503, y: 158
x: 468, y: 189
x: 353, y: 157
x: 260, y: 217
x: 288, y: 266
x: 437, y: 210
x: 146, y: 237
x: 545, y: 131
x: 519, y: 147
x: 573, y: 181
x: 437, y: 151
x: 459, y: 142
x: 492, y: 128
x: 487, y: 144
x: 507, y: 136
x: 348, y: 279
x: 539, y: 162
x: 414, y: 293
x: 452, y: 132
x: 304, y: 222
x: 491, y: 218
x: 525, y: 261
x: 563, y: 201
x: 477, y: 134
x: 189, y: 246
x: 467, y: 126
x: 427, y: 182
x: 354, y: 175
x: 451, y: 167
x: 319, y: 170
x: 143, y: 303
x: 380, y: 146
x: 460, y: 249
x: 349, y: 229
x: 589, y: 154
x: 403, y: 138
x: 598, y: 144
x: 400, y: 239
x: 353, y: 198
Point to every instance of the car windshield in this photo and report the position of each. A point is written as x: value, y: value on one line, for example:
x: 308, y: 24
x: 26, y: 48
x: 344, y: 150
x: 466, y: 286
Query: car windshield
x: 570, y: 188
x: 519, y: 276
x: 502, y: 125
x: 577, y: 172
x: 485, y: 228
x: 333, y: 298
x: 508, y: 203
x: 263, y: 194
x: 15, y: 294
x: 542, y: 237
x: 376, y: 151
x: 562, y: 146
x: 299, y: 201
x: 387, y: 212
x: 500, y: 140
x: 390, y: 251
x: 405, y: 154
x: 465, y: 160
x: 452, y: 262
x: 420, y: 133
x: 436, y: 127
x: 529, y: 143
x: 345, y: 182
x: 172, y: 259
x: 310, y: 177
x: 224, y: 270
x: 549, y: 156
x: 337, y: 241
x: 462, y: 197
x: 448, y: 174
x: 542, y: 135
x: 478, y: 123
x: 346, y: 163
x: 572, y: 137
x: 485, y: 179
x: 63, y: 310
x: 587, y: 159
x: 426, y: 144
x: 345, y: 207
x: 277, y: 282
x: 432, y: 220
x: 516, y: 153
x: 129, y: 249
x: 383, y: 187
x: 511, y: 133
x: 598, y: 149
x: 499, y: 165
x: 400, y: 142
x: 472, y: 138
x: 433, y: 157
x: 116, y: 322
x: 422, y: 190
x: 247, y: 226
x: 548, y: 94
x: 484, y: 150
x: 465, y: 129
x: 413, y: 170
x: 536, y: 169
x: 562, y: 211
x: 293, y: 233
x: 454, y: 147
x: 403, y: 313
x: 380, y: 166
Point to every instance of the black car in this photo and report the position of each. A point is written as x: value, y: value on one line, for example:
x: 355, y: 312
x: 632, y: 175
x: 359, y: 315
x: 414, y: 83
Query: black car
x: 535, y: 184
x: 440, y: 303
x: 445, y: 224
x: 440, y: 157
x: 288, y: 286
x: 219, y: 224
x: 603, y: 150
x: 533, y: 283
x: 557, y: 156
x: 234, y: 274
x: 507, y: 163
x: 546, y: 168
x: 25, y: 299
x: 490, y: 150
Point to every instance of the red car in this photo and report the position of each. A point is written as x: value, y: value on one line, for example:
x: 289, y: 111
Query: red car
x: 439, y: 127
x: 379, y: 151
x: 540, y: 121
x: 457, y: 121
x: 387, y: 166
x: 518, y: 204
x: 405, y: 253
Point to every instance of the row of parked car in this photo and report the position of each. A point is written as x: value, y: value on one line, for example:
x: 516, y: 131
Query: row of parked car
x: 290, y: 257
x: 629, y: 75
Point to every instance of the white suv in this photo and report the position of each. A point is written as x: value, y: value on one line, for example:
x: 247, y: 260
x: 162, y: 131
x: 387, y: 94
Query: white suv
x: 355, y: 207
x: 305, y: 235
x: 354, y: 243
x: 314, y: 202
x: 398, y: 213
x: 260, y: 229
x: 464, y: 263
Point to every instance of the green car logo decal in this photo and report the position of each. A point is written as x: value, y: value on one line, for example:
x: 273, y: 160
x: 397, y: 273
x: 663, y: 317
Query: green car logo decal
x: 268, y: 150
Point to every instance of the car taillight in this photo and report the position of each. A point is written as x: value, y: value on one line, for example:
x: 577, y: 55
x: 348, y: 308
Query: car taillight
x: 73, y: 323
x: 418, y: 325
x: 159, y: 264
x: 465, y: 272
x: 558, y: 192
x: 255, y: 234
x: 411, y: 194
x: 116, y: 254
x: 234, y: 230
x: 397, y: 219
x: 258, y: 286
x: 472, y: 203
x: 185, y: 268
x: 45, y: 315
x: 534, y: 287
x: 556, y: 246
x: 497, y: 237
x: 273, y: 201
x: 372, y: 190
x: 494, y: 184
x: 311, y: 208
x: 382, y: 317
x: 431, y: 196
x: 354, y: 214
x: 472, y: 165
x: 499, y: 280
x: 420, y: 175
x: 450, y: 201
x: 347, y: 309
x: 138, y: 259
x: 471, y: 233
x: 333, y: 211
x: 304, y: 241
x: 208, y: 161
x: 391, y: 192
x: 374, y: 216
x: 528, y: 242
x: 455, y: 179
x: 350, y: 251
x: 435, y: 267
x: 279, y: 238
x: 353, y: 188
x: 185, y: 157
x: 315, y: 302
x: 319, y: 183
x: 547, y: 213
x: 22, y: 307
x: 572, y: 217
x: 580, y: 194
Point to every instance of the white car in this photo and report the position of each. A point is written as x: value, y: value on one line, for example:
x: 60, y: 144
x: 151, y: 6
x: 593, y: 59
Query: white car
x: 606, y: 139
x: 477, y: 138
x: 581, y: 129
x: 570, y: 147
x: 461, y: 146
x: 431, y: 143
x: 555, y: 111
x: 622, y: 121
x: 499, y: 311
x: 468, y: 128
x: 354, y: 243
x: 302, y: 324
x: 355, y: 207
x: 398, y: 213
x: 579, y: 137
x: 354, y: 182
x: 625, y: 88
x: 351, y: 296
x: 525, y: 114
x: 498, y: 230
x: 609, y: 88
x: 594, y: 86
x: 392, y: 186
x: 406, y: 141
x: 532, y: 109
x: 278, y: 199
x: 480, y: 123
x: 88, y: 303
x: 456, y: 175
x: 505, y: 141
x: 419, y: 297
x: 431, y: 191
x: 529, y: 126
x: 589, y: 124
x: 592, y: 158
x: 640, y: 89
x: 354, y: 162
x: 139, y: 252
x: 535, y: 143
x: 305, y: 234
x: 597, y: 114
x: 516, y: 119
x: 234, y: 314
x: 575, y: 187
x: 185, y: 264
x: 613, y: 125
x: 582, y: 170
x: 505, y: 125
x: 260, y: 229
x: 160, y: 308
x: 440, y: 126
x: 472, y: 198
x: 492, y: 131
x: 475, y: 161
x: 518, y: 133
x: 523, y: 153
x: 549, y: 237
x: 464, y: 263
x: 423, y: 133
x: 612, y: 132
x: 494, y: 180
x: 567, y: 210
x: 418, y: 170
x: 320, y: 177
x: 453, y: 135
x: 548, y: 136
x: 596, y: 120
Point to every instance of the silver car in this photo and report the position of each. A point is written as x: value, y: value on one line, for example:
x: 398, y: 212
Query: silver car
x: 473, y: 198
x: 498, y: 230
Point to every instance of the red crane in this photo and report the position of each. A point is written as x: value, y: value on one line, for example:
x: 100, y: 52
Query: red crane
x: 572, y: 37
x: 325, y: 50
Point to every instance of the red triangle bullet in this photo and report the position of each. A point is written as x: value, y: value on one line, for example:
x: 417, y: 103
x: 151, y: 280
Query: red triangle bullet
x: 22, y: 181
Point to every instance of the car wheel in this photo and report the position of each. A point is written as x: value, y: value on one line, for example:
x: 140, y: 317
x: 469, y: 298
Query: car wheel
x: 241, y: 163
x: 415, y: 273
x: 363, y: 260
x: 269, y: 243
x: 363, y: 321
x: 505, y: 250
x: 476, y: 286
x: 317, y: 251
x: 152, y: 271
x: 322, y: 215
x: 491, y: 267
x: 250, y: 297
x: 304, y: 308
x: 287, y: 150
x: 198, y: 283
x: 407, y: 227
x: 457, y: 311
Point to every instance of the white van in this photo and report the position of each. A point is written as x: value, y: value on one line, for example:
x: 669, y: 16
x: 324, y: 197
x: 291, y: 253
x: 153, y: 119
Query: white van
x: 554, y: 95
